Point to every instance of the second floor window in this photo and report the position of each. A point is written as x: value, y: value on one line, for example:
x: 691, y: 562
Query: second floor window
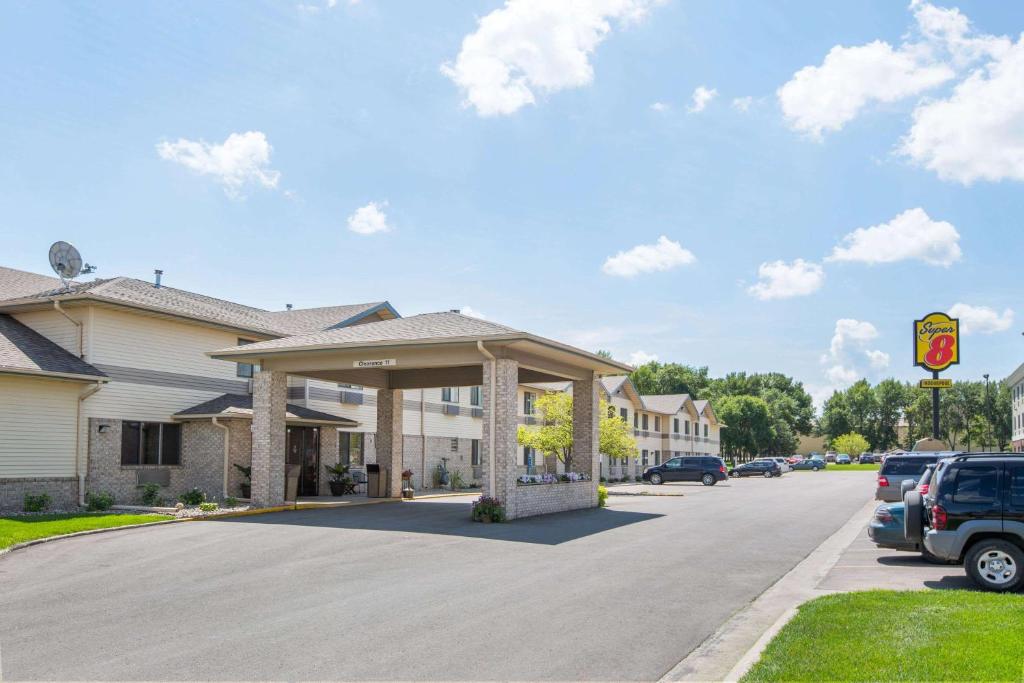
x: 657, y: 423
x: 528, y: 399
x: 476, y: 397
x: 686, y: 426
x: 675, y: 425
x: 705, y: 431
x: 450, y: 394
x: 624, y: 414
x: 644, y: 419
x: 636, y: 420
x: 245, y: 369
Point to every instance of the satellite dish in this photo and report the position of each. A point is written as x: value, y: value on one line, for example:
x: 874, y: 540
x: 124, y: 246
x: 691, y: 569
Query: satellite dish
x: 65, y: 261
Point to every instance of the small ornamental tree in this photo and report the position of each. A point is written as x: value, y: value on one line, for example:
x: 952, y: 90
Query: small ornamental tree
x: 553, y: 436
x: 851, y: 444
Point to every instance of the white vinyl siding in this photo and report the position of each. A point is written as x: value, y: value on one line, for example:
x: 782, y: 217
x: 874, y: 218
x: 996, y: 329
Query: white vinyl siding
x: 37, y: 427
x: 54, y: 326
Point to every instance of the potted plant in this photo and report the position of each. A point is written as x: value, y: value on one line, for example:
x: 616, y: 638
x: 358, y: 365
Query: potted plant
x: 245, y: 486
x: 407, y: 490
x: 339, y: 482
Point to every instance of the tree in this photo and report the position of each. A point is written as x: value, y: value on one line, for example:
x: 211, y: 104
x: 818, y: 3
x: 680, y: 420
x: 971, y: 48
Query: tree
x: 553, y: 436
x: 749, y: 420
x: 604, y: 353
x: 851, y: 444
x: 835, y: 417
x: 889, y: 399
x: 671, y: 378
x: 862, y: 407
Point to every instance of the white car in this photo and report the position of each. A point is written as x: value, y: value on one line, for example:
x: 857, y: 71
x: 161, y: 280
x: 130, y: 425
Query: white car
x: 783, y: 465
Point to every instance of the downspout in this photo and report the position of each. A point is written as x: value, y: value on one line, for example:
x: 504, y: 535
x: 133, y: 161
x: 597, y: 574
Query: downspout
x: 423, y: 441
x: 81, y: 349
x: 80, y: 466
x: 224, y: 428
x: 490, y: 415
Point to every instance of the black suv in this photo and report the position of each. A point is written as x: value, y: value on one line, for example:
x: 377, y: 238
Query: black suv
x: 705, y: 469
x: 974, y: 513
x: 758, y: 468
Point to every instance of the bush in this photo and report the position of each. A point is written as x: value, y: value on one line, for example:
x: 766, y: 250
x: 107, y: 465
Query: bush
x: 98, y: 502
x: 193, y: 497
x: 456, y: 480
x: 602, y: 496
x: 638, y: 478
x: 603, y: 480
x: 208, y: 507
x: 488, y: 510
x: 37, y: 502
x: 151, y: 494
x: 230, y: 502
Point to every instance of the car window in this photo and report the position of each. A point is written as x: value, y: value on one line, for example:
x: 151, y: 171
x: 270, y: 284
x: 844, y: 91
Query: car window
x: 674, y: 462
x: 907, y: 466
x: 976, y: 484
x: 1017, y: 486
x: 691, y: 461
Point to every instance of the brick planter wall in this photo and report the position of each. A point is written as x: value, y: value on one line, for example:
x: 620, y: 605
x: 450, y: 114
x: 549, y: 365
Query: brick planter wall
x: 63, y: 492
x: 543, y: 499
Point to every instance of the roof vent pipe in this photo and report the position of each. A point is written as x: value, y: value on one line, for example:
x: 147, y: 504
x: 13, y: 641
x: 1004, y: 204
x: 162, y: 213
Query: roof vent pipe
x: 455, y: 310
x: 288, y: 306
x: 158, y: 274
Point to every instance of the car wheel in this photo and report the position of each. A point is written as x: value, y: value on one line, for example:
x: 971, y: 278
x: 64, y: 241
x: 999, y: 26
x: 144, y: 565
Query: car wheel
x: 815, y: 468
x: 767, y: 475
x: 656, y: 479
x: 708, y: 480
x: 995, y: 565
x: 734, y: 474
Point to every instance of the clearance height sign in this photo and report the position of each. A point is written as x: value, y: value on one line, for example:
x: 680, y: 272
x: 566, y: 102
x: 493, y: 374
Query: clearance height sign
x: 936, y: 342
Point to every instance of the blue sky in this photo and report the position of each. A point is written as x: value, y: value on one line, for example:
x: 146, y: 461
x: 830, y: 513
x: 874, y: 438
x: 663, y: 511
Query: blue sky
x: 325, y: 153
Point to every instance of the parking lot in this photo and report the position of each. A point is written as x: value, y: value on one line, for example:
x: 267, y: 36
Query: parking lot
x: 415, y: 590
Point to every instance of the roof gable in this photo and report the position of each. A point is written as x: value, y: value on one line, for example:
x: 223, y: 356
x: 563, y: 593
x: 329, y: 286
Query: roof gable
x: 25, y: 351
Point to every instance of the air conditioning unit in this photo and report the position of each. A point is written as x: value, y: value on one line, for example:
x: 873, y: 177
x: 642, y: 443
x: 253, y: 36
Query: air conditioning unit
x: 451, y: 409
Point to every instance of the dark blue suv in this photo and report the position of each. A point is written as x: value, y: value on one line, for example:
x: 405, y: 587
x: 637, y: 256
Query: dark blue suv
x: 706, y: 469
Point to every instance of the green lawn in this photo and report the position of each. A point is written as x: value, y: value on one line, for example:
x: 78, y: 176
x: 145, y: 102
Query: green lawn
x: 832, y: 467
x: 900, y: 636
x: 30, y: 527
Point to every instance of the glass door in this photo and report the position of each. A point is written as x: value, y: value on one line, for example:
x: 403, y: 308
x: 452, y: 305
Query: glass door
x: 304, y: 455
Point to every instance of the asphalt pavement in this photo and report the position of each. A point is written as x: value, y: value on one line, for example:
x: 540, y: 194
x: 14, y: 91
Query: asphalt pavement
x: 414, y: 590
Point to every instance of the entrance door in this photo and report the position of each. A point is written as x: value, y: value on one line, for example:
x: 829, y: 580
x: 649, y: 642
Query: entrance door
x: 304, y: 450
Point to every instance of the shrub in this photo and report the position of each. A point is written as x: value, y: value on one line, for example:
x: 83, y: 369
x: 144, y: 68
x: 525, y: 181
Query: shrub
x: 603, y: 480
x: 488, y: 509
x: 37, y: 502
x: 602, y: 496
x: 230, y: 502
x: 193, y: 497
x: 151, y: 494
x: 208, y: 507
x: 97, y: 502
x: 638, y: 478
x: 456, y: 480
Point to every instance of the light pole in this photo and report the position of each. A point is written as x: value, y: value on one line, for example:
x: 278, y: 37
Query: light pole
x: 988, y: 414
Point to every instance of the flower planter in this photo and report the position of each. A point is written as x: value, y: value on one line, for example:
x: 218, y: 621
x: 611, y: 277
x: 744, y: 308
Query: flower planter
x: 337, y: 488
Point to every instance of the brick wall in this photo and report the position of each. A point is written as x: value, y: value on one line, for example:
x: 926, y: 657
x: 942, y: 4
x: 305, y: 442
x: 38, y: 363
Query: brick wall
x: 63, y: 492
x: 543, y: 499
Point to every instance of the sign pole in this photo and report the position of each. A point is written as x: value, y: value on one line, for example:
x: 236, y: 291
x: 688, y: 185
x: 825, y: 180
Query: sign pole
x: 935, y: 407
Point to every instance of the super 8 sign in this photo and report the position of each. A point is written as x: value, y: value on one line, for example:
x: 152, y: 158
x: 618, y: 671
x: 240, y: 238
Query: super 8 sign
x: 936, y: 342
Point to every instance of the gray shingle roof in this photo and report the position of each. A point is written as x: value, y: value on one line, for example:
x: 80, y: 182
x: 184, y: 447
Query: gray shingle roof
x: 19, y: 283
x: 426, y: 326
x: 613, y: 383
x: 240, y: 406
x: 665, y: 403
x: 22, y: 349
x: 131, y: 292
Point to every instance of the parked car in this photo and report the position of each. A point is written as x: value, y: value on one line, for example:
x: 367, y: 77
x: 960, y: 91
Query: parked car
x: 867, y: 459
x: 707, y: 470
x: 814, y: 464
x: 897, y: 468
x: 757, y: 468
x: 783, y: 464
x: 886, y: 529
x: 830, y: 456
x: 794, y: 459
x: 974, y: 513
x: 843, y: 459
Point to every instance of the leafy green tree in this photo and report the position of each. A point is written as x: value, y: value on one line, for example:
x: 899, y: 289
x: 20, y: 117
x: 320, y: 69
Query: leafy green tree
x: 889, y: 400
x: 851, y: 444
x: 1001, y: 417
x: 749, y: 420
x: 604, y: 353
x: 671, y: 378
x: 553, y: 436
x: 835, y: 417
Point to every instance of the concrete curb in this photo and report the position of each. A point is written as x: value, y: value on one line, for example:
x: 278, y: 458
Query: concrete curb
x: 89, y: 532
x: 612, y: 492
x: 751, y: 629
x: 443, y: 495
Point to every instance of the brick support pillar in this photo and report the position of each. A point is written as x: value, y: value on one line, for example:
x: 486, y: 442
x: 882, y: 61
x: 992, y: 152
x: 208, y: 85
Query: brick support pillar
x: 586, y: 456
x: 269, y: 395
x: 389, y: 437
x: 502, y: 402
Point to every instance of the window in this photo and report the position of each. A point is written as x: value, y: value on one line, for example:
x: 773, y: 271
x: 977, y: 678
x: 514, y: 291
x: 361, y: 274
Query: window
x: 675, y: 425
x: 978, y: 484
x: 454, y: 447
x: 244, y: 369
x: 342, y: 385
x: 674, y: 463
x: 686, y: 426
x: 657, y: 457
x: 1016, y: 486
x: 611, y: 411
x: 644, y: 419
x: 624, y: 414
x: 150, y: 443
x: 474, y: 459
x: 657, y: 423
x: 528, y: 457
x: 475, y: 396
x: 350, y: 448
x: 528, y: 398
x: 636, y: 420
x: 643, y: 457
x: 705, y: 431
x: 450, y: 394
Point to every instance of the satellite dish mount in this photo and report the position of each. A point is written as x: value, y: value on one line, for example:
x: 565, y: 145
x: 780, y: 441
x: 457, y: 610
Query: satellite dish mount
x: 67, y: 262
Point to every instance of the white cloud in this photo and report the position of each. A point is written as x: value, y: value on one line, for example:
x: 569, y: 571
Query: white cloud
x: 700, y: 99
x: 827, y: 97
x: 242, y: 159
x: 981, y: 319
x: 850, y: 332
x: 841, y: 377
x: 660, y: 107
x: 977, y: 133
x: 472, y: 312
x: 911, y: 235
x: 528, y: 47
x: 638, y: 358
x: 648, y: 258
x: 369, y: 219
x: 879, y: 359
x: 781, y: 280
x: 742, y: 103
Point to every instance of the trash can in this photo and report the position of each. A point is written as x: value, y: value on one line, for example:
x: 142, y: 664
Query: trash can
x: 291, y: 482
x: 372, y: 480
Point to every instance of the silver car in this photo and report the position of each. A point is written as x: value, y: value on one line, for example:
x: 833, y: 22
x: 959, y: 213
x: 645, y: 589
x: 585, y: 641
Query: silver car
x: 898, y: 468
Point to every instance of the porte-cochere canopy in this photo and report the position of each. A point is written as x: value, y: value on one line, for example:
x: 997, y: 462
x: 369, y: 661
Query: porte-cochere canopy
x: 424, y: 351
